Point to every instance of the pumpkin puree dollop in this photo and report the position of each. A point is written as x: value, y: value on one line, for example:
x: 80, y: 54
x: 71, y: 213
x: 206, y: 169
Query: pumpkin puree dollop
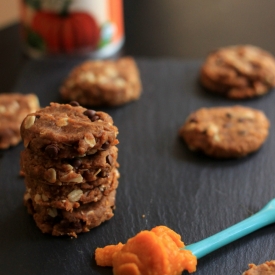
x: 154, y: 252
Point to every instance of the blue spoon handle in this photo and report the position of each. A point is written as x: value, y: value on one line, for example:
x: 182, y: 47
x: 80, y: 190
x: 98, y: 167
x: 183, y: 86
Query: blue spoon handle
x: 262, y: 218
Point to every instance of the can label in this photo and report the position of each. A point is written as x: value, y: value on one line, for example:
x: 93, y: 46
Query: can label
x: 72, y: 26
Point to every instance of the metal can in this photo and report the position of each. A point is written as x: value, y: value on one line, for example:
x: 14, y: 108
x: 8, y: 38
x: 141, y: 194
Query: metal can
x: 54, y: 27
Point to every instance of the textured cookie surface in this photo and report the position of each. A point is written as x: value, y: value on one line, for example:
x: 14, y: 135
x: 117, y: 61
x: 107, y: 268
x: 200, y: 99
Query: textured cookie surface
x: 66, y: 131
x: 68, y: 171
x: 225, y: 132
x: 13, y: 109
x: 71, y: 196
x: 58, y: 222
x: 267, y: 268
x: 104, y: 82
x: 239, y: 72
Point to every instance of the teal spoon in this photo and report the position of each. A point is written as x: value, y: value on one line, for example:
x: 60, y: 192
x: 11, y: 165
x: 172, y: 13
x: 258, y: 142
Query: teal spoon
x: 262, y: 218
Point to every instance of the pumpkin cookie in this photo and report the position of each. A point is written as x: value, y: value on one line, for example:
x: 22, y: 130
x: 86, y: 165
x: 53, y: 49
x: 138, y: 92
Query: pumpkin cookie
x: 66, y: 131
x: 104, y: 82
x: 58, y: 222
x: 69, y: 171
x: 239, y: 72
x: 225, y: 132
x: 70, y: 168
x: 13, y: 109
x: 71, y: 196
x: 267, y: 268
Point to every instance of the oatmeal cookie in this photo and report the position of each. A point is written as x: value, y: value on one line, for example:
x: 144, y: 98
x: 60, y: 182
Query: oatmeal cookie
x: 68, y: 171
x: 67, y: 131
x: 267, y: 268
x: 58, y: 222
x: 71, y: 196
x: 225, y: 132
x: 70, y: 168
x: 103, y: 82
x: 238, y: 72
x: 13, y: 109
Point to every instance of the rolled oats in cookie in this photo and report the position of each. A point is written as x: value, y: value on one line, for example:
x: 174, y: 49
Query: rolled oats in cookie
x: 103, y: 82
x: 239, y: 72
x: 71, y: 196
x: 225, y: 132
x: 67, y: 131
x: 70, y: 168
x: 69, y: 171
x: 59, y: 222
x: 13, y: 109
x: 267, y: 268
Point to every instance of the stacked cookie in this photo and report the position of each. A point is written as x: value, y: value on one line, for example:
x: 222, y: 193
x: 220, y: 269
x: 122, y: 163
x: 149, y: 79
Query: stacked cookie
x: 70, y: 167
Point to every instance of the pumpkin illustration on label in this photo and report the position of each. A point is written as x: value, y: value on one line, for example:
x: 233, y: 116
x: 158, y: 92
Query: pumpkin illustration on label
x: 93, y: 27
x: 66, y: 33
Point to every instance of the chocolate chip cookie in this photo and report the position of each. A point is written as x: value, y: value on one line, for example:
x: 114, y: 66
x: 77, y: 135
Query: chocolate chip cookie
x: 13, y: 109
x: 58, y: 222
x: 239, y: 72
x: 225, y: 132
x: 71, y: 196
x: 70, y: 168
x: 103, y: 82
x: 69, y: 171
x: 267, y: 268
x: 66, y: 131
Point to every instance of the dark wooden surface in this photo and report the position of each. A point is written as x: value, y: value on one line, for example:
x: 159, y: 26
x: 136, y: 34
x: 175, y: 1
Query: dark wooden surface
x: 160, y: 178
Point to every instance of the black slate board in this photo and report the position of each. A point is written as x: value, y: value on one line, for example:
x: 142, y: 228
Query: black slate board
x: 160, y: 178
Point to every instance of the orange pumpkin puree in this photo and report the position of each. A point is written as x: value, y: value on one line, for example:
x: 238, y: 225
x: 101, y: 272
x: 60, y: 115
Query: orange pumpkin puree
x: 152, y: 252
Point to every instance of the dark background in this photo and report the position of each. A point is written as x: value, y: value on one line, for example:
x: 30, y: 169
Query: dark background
x: 182, y: 29
x: 160, y: 178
